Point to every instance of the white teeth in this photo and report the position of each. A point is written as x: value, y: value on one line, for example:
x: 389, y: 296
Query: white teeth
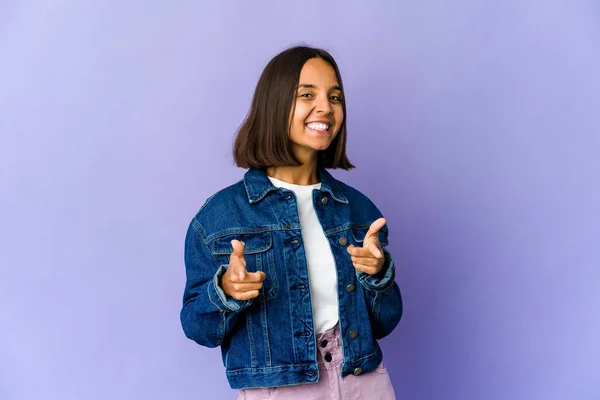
x: 318, y: 126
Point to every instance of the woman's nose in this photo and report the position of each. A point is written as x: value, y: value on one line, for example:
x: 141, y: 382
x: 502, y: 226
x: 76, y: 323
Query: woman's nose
x: 324, y: 105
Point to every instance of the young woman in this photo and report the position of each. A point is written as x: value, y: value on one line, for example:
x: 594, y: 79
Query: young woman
x: 287, y: 269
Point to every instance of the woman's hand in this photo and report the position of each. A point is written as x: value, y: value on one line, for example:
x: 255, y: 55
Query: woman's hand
x: 369, y: 258
x: 238, y: 283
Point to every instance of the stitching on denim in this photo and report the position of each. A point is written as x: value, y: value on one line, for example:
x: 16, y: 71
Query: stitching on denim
x: 221, y: 332
x: 265, y: 326
x: 209, y: 298
x: 248, y: 190
x: 373, y: 354
x: 273, y: 278
x: 237, y: 231
x: 262, y: 229
x: 290, y: 310
x: 367, y: 285
x: 279, y: 367
x: 338, y: 229
x: 375, y: 307
x: 250, y: 339
x: 247, y: 249
x: 198, y: 228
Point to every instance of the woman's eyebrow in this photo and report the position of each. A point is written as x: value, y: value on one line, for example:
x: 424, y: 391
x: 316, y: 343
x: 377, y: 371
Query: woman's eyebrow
x: 311, y: 86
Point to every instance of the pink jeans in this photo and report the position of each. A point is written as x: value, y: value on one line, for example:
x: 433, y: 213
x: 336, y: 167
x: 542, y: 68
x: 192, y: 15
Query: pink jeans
x: 374, y: 385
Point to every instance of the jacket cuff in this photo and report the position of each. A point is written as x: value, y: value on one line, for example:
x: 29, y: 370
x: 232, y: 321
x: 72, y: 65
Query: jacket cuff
x: 382, y: 280
x: 217, y: 296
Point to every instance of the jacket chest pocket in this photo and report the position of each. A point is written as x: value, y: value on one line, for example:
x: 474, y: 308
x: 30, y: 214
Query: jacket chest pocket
x: 258, y: 253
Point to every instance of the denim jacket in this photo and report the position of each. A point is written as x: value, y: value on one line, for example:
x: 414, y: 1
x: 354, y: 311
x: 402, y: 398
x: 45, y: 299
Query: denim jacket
x: 270, y: 340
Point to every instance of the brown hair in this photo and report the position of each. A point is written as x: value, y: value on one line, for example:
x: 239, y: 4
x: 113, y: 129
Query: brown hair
x: 262, y: 139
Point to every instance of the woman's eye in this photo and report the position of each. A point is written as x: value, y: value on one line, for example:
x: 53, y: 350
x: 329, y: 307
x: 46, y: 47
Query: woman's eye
x: 335, y: 98
x: 306, y: 95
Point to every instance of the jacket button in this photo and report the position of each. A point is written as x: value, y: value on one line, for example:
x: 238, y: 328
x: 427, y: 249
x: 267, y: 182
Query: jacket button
x: 357, y: 371
x: 350, y: 288
x: 343, y: 241
x: 324, y: 201
x: 353, y: 334
x: 328, y: 357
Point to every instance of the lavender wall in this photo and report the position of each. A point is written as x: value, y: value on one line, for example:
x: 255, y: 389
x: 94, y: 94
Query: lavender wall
x: 475, y: 127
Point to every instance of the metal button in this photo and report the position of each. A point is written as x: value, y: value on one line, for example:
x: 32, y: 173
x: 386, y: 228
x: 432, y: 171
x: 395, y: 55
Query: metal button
x: 357, y: 371
x: 343, y: 241
x: 294, y: 241
x: 324, y: 343
x: 353, y: 334
x: 324, y: 200
x: 328, y: 357
x: 350, y: 288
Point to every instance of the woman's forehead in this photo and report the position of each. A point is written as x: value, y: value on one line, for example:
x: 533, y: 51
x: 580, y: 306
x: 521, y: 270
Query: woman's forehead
x: 317, y: 73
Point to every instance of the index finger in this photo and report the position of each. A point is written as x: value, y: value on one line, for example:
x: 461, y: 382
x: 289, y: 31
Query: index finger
x: 255, y: 277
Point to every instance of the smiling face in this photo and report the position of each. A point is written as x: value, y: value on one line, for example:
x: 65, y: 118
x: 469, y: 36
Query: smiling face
x: 318, y: 113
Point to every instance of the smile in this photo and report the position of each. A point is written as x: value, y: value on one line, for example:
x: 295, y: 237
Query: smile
x: 318, y: 126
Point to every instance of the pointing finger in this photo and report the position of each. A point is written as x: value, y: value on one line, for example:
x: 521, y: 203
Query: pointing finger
x: 375, y: 227
x: 255, y: 276
x: 363, y: 251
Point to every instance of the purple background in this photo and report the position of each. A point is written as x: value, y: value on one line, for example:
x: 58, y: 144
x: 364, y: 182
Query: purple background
x: 475, y: 126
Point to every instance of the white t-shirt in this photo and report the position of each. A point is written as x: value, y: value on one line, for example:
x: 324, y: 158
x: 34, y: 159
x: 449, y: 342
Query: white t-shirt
x: 321, y: 264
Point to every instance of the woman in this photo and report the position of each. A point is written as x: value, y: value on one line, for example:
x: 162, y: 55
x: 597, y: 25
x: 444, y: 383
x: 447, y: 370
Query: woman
x: 287, y: 269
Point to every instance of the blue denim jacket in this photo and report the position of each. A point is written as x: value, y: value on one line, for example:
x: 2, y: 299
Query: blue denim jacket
x: 270, y: 340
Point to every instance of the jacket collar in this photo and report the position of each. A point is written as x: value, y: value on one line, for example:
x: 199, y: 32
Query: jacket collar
x: 258, y: 185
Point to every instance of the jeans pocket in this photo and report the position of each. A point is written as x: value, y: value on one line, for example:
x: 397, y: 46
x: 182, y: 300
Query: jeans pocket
x: 381, y: 369
x: 257, y: 393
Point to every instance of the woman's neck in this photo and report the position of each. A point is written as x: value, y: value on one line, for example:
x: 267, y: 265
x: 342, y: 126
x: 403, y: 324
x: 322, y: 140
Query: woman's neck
x: 302, y: 175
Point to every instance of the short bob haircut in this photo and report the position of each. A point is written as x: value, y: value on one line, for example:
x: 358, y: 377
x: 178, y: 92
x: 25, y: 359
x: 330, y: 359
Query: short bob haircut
x: 263, y: 138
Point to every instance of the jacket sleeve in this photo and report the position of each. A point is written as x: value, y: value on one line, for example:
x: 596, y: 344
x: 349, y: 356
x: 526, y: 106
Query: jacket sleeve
x: 383, y: 297
x: 208, y: 315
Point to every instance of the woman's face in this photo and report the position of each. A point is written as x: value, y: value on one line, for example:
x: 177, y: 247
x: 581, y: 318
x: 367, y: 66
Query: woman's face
x: 318, y: 114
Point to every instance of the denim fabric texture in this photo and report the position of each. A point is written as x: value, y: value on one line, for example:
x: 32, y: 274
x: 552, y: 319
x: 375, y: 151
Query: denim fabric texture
x: 270, y: 341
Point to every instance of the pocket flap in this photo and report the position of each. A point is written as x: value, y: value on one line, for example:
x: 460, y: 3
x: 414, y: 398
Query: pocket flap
x: 253, y: 243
